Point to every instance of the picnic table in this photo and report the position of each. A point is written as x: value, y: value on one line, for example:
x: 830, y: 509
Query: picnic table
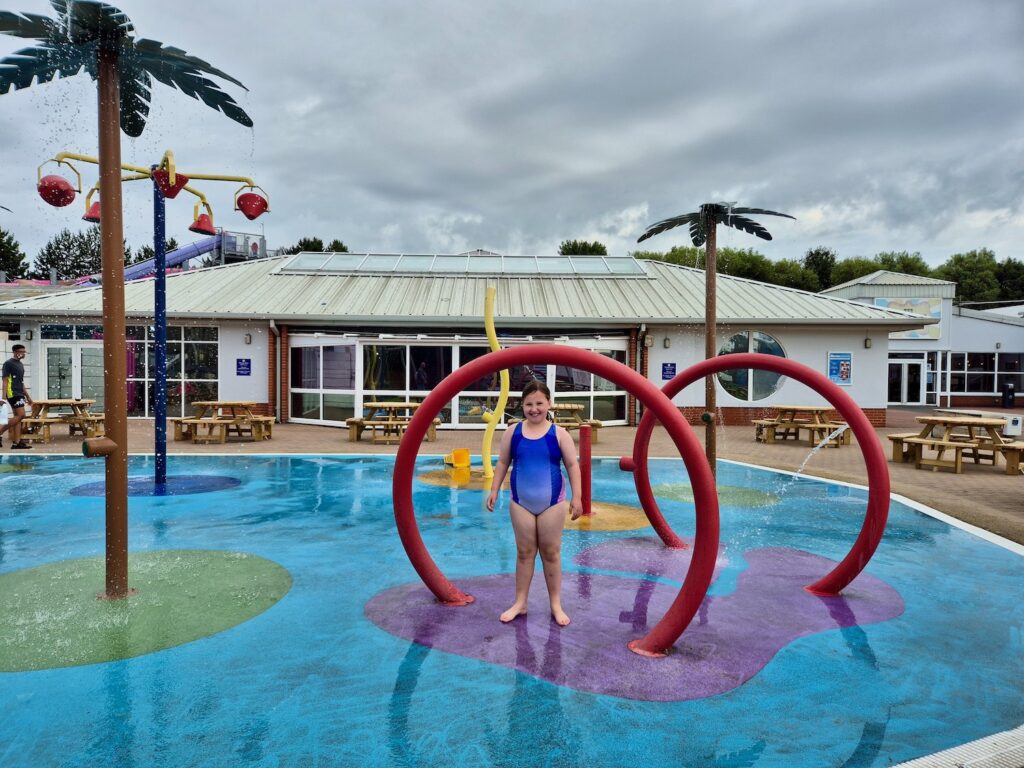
x: 789, y: 421
x: 943, y: 435
x: 570, y: 416
x: 222, y: 418
x: 36, y: 425
x: 386, y: 420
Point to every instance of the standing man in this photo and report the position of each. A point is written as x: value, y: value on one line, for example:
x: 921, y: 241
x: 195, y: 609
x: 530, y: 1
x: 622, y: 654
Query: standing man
x: 15, y: 394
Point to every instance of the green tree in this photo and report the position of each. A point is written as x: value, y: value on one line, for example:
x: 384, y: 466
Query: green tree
x: 746, y: 263
x: 12, y: 258
x: 821, y: 261
x: 903, y: 262
x: 974, y: 273
x: 336, y: 246
x: 793, y: 274
x: 582, y: 248
x: 1010, y: 274
x: 314, y: 244
x: 145, y: 252
x: 72, y: 254
x: 852, y: 268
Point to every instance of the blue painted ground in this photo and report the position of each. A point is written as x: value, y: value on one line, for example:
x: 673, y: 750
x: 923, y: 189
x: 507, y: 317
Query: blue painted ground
x: 313, y: 682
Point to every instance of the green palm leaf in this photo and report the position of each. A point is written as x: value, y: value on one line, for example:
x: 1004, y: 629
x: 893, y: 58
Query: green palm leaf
x: 675, y: 221
x: 73, y: 41
x: 90, y: 21
x: 28, y: 25
x: 155, y: 55
x: 135, y: 87
x: 760, y: 212
x: 41, y: 64
x: 725, y: 213
x: 747, y: 225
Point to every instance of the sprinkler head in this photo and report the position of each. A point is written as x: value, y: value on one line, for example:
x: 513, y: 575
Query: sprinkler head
x: 56, y: 190
x: 203, y: 225
x: 252, y: 205
x: 163, y: 180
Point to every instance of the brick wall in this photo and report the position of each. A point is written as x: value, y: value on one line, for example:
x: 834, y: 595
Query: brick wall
x: 976, y: 401
x: 283, y: 376
x: 631, y: 361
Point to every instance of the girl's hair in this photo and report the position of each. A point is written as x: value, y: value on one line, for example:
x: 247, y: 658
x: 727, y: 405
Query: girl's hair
x: 536, y: 385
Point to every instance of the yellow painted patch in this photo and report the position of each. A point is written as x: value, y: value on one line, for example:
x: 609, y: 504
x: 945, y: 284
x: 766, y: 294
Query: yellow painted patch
x: 728, y: 495
x: 609, y: 517
x: 458, y: 477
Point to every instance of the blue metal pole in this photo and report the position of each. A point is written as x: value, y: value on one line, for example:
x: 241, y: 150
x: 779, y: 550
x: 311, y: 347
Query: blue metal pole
x: 160, y: 328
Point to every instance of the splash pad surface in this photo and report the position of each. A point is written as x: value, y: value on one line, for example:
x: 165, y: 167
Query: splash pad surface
x: 315, y: 679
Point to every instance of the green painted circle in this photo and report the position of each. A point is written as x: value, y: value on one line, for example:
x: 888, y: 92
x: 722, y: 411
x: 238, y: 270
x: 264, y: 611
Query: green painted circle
x: 50, y: 616
x: 728, y: 495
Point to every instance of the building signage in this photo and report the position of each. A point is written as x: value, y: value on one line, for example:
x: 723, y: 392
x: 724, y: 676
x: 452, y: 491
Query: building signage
x: 840, y: 368
x: 668, y: 371
x: 243, y: 367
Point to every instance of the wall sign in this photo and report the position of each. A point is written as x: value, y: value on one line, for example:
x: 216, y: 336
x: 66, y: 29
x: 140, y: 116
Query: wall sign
x: 668, y: 371
x: 840, y: 368
x: 243, y: 367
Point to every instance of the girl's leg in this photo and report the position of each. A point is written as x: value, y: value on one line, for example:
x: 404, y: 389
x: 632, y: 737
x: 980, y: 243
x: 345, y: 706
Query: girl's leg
x: 524, y: 524
x: 549, y: 539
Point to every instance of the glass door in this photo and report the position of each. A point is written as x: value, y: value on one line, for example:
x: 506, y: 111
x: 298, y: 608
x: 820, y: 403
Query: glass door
x: 75, y: 371
x: 59, y: 373
x: 905, y: 380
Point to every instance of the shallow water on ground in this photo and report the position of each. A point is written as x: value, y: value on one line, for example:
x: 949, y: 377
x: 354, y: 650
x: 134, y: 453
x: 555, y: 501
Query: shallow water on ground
x: 313, y: 681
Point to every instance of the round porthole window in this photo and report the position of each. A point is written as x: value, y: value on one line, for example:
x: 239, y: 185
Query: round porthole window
x: 749, y: 384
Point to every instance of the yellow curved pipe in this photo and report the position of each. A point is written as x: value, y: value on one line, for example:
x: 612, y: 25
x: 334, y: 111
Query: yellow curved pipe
x: 494, y: 417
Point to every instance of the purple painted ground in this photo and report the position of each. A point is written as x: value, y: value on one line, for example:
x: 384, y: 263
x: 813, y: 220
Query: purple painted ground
x: 730, y: 640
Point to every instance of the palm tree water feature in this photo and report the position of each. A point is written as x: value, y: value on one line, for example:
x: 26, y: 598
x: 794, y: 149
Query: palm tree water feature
x: 167, y: 182
x: 703, y: 225
x: 99, y: 38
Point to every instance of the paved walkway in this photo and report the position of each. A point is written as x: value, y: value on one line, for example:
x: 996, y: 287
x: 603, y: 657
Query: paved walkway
x: 983, y: 496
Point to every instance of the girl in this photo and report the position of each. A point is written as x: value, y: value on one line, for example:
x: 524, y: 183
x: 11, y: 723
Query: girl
x: 536, y: 448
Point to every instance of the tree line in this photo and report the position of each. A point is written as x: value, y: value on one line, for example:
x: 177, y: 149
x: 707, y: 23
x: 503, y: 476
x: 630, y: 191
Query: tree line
x: 77, y: 254
x: 978, y: 274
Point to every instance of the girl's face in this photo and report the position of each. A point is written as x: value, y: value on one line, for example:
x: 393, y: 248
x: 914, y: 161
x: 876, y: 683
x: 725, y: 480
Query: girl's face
x: 535, y: 407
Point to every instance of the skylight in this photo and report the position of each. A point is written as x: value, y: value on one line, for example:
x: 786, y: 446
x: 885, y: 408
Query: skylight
x: 476, y: 263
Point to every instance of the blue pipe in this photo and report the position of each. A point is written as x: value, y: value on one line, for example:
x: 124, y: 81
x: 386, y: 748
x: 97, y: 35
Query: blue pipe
x: 160, y: 328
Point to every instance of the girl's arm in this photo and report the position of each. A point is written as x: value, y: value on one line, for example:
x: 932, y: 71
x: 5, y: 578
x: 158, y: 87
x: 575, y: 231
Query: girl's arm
x: 501, y: 468
x: 572, y: 466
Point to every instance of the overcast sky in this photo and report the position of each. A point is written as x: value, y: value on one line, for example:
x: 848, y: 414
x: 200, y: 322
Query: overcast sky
x: 451, y: 125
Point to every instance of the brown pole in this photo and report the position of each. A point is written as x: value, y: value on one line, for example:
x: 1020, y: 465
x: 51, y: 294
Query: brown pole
x: 115, y: 370
x: 710, y: 343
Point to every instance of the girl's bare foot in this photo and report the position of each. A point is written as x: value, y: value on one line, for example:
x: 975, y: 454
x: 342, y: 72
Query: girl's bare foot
x: 561, y: 617
x: 517, y: 609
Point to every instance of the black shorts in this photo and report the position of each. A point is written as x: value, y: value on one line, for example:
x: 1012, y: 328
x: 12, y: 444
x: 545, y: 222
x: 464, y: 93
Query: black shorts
x: 18, y: 401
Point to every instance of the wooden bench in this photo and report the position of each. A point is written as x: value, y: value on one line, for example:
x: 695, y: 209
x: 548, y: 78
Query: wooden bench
x: 1011, y: 453
x: 900, y: 453
x: 356, y: 427
x: 38, y: 428
x: 182, y: 431
x: 571, y: 424
x: 88, y: 425
x: 764, y: 430
x: 818, y: 432
x: 216, y: 429
x: 941, y: 446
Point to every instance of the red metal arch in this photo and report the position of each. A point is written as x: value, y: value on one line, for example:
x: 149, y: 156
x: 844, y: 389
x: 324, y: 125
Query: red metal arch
x: 877, y: 468
x: 698, y: 576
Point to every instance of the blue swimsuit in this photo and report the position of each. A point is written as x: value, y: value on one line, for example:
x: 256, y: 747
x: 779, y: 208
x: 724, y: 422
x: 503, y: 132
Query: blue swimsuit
x: 537, y: 481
